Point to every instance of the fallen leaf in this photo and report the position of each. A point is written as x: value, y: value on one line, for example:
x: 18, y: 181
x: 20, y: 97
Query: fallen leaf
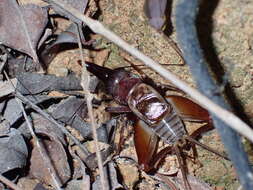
x: 27, y: 21
x: 76, y: 185
x: 7, y: 87
x: 34, y: 83
x: 155, y: 10
x: 13, y: 152
x: 91, y: 160
x: 194, y: 182
x: 62, y: 42
x: 68, y: 36
x: 12, y: 111
x: 68, y: 109
x: 4, y: 127
x: 3, y: 58
x: 43, y: 127
x: 80, y: 5
x: 19, y: 64
x: 27, y: 183
x: 129, y: 172
x: 58, y: 157
x: 73, y: 110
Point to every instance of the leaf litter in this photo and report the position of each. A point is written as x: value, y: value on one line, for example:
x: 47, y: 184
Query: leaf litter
x: 19, y: 152
x: 27, y: 21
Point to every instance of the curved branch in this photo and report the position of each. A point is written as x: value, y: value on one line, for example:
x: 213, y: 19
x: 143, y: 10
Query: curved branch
x: 186, y: 11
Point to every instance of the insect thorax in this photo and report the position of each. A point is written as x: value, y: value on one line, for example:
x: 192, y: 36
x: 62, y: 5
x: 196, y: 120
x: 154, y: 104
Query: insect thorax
x: 154, y: 110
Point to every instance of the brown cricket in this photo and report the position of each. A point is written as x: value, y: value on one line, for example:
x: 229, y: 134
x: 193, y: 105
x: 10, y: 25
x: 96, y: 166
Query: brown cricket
x: 156, y: 116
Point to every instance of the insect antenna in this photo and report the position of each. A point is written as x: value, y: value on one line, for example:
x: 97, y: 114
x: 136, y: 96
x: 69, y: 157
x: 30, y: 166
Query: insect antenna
x: 192, y: 140
x: 142, y: 74
x: 149, y: 81
x: 145, y: 66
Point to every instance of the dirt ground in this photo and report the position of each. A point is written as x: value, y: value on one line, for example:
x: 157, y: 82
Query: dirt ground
x: 226, y: 32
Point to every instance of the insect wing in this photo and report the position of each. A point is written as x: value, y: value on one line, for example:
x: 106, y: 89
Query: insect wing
x: 188, y: 109
x: 145, y: 141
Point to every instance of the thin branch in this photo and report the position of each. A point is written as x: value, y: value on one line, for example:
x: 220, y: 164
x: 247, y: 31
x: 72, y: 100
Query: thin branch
x: 9, y: 183
x: 226, y: 116
x: 52, y: 120
x: 40, y: 146
x: 85, y: 81
x: 186, y: 13
x: 85, y: 176
x: 41, y: 149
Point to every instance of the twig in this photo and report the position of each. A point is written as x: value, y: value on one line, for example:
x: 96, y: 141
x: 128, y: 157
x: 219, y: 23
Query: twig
x: 85, y: 81
x: 86, y: 177
x: 226, y: 116
x: 40, y: 146
x: 9, y: 183
x: 186, y: 12
x: 52, y: 120
x: 41, y: 149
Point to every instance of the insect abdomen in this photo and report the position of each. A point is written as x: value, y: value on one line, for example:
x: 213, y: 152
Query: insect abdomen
x: 170, y: 129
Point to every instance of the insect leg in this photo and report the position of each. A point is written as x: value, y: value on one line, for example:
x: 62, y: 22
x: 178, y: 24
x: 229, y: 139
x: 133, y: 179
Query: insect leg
x: 189, y: 138
x: 182, y: 167
x: 118, y: 109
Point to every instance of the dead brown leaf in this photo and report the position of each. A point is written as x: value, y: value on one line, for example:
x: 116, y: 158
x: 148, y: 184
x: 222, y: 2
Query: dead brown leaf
x: 58, y: 157
x: 22, y: 26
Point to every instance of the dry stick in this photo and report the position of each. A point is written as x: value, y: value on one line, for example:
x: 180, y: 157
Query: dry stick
x: 40, y: 146
x: 41, y: 149
x: 85, y: 176
x: 52, y: 120
x: 9, y: 183
x: 226, y: 116
x: 85, y: 81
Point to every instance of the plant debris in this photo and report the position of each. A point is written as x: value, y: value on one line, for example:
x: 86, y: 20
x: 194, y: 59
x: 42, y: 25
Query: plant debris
x: 33, y: 37
x: 27, y: 21
x: 14, y: 153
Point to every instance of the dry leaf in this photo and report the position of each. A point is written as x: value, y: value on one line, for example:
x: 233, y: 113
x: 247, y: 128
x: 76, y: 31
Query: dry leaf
x: 22, y: 26
x: 58, y: 157
x: 13, y: 151
x: 7, y: 87
x: 34, y: 83
x: 80, y: 5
